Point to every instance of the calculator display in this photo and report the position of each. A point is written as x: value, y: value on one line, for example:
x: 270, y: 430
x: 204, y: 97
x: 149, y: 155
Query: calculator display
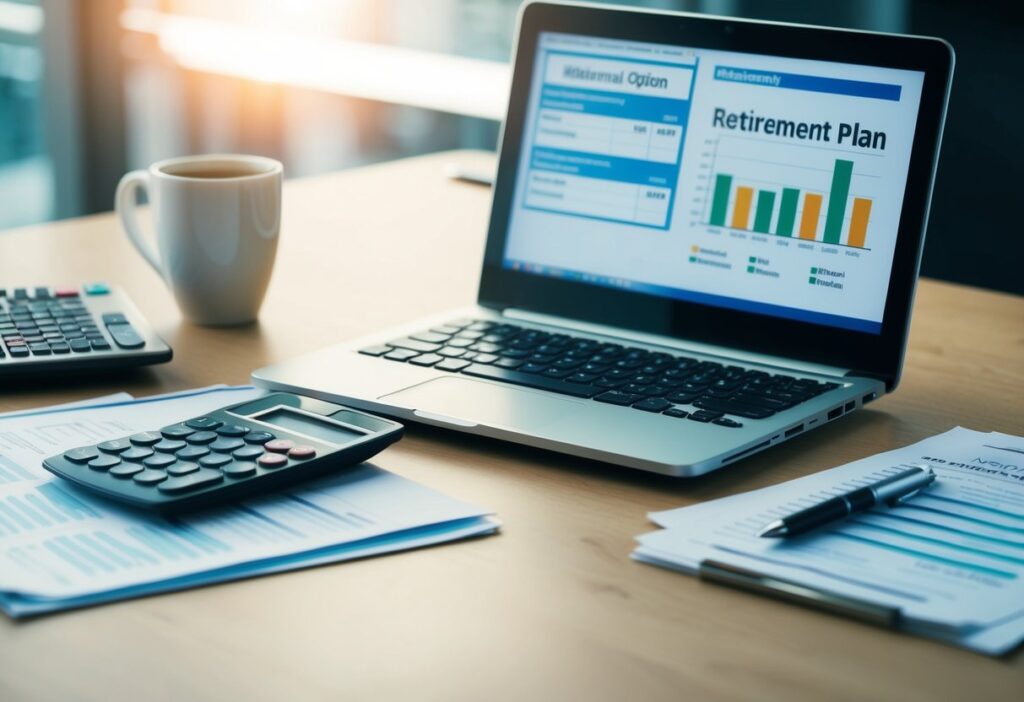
x: 288, y: 418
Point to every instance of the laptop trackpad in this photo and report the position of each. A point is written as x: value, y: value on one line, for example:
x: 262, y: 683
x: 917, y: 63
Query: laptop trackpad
x: 469, y: 402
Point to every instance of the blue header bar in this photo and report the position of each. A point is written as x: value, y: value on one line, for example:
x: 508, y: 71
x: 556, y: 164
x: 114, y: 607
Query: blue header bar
x: 816, y: 84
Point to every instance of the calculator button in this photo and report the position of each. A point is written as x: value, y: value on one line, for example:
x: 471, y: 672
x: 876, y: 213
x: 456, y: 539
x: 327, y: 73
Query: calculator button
x: 60, y: 347
x: 125, y: 336
x: 100, y: 345
x: 203, y: 423
x: 233, y: 430
x: 80, y: 345
x: 18, y: 351
x: 126, y: 470
x: 105, y: 462
x: 215, y: 460
x: 177, y: 431
x: 146, y: 438
x: 169, y: 446
x: 279, y: 445
x: 239, y: 470
x: 226, y: 444
x: 271, y: 460
x: 182, y: 468
x: 192, y: 453
x: 249, y: 453
x: 150, y: 477
x: 201, y: 437
x: 96, y: 289
x: 81, y: 455
x: 136, y: 454
x: 114, y: 318
x: 159, y: 460
x: 192, y: 481
x: 302, y: 452
x: 39, y: 349
x: 115, y: 446
x: 259, y: 437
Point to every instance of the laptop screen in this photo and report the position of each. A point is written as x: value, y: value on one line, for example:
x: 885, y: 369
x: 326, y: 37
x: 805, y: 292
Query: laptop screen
x: 757, y: 183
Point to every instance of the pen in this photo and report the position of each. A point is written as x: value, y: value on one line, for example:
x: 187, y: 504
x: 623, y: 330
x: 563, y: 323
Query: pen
x: 892, y: 490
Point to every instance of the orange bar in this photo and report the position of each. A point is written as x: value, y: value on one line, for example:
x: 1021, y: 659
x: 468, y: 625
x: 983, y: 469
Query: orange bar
x: 809, y: 219
x: 741, y: 210
x: 859, y: 222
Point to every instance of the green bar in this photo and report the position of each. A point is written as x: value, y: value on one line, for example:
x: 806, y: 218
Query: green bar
x: 723, y: 183
x: 837, y: 201
x: 763, y: 213
x: 787, y: 211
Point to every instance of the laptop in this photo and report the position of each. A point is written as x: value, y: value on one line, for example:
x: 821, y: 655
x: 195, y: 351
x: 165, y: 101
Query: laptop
x: 704, y: 241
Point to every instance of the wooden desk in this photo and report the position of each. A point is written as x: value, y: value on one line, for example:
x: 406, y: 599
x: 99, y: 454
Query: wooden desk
x: 551, y: 609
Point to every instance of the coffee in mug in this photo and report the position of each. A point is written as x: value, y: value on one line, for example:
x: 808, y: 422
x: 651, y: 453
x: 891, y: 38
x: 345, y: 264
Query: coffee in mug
x: 217, y: 220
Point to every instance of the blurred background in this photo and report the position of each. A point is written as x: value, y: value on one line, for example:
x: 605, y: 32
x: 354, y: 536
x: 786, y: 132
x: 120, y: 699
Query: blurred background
x: 92, y: 88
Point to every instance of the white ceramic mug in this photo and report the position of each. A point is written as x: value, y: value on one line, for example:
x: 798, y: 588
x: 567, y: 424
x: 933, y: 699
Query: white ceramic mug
x: 217, y: 220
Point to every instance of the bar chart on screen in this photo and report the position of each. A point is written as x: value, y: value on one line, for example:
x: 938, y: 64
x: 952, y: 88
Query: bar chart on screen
x: 810, y: 193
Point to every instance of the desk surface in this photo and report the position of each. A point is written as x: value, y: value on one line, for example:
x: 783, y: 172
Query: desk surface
x: 553, y: 608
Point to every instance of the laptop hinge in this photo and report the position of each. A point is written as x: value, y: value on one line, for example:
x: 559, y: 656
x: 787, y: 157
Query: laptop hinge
x: 674, y: 344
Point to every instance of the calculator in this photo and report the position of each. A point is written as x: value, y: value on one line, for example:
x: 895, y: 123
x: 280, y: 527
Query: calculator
x: 234, y: 453
x: 57, y: 330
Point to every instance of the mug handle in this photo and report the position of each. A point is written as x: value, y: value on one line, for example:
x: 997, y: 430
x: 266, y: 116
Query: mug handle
x: 125, y: 203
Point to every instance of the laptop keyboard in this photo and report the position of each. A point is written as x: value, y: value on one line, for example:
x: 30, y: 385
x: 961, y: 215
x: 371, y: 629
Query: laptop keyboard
x: 648, y: 381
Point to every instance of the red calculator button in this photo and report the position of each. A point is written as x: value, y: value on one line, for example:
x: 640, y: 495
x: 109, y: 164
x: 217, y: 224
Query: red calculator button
x: 302, y: 452
x: 279, y: 445
x: 66, y: 292
x: 271, y: 460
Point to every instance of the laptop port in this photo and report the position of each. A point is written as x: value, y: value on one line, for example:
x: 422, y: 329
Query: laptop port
x: 868, y: 398
x: 838, y: 411
x: 850, y: 406
x: 794, y: 431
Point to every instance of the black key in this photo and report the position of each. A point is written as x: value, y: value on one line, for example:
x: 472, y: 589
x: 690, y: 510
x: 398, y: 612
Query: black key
x: 653, y: 404
x: 105, y: 462
x: 125, y: 336
x: 726, y: 422
x: 248, y: 453
x: 682, y: 398
x: 704, y: 416
x: 192, y: 453
x: 176, y: 431
x: 510, y: 363
x: 426, y: 359
x: 169, y: 446
x: 203, y: 423
x: 192, y: 481
x: 375, y: 350
x: 80, y: 345
x: 553, y: 372
x: 42, y: 293
x: 676, y: 412
x: 452, y: 364
x: 239, y: 470
x: 39, y: 349
x: 430, y: 337
x: 81, y: 455
x: 227, y: 444
x: 146, y: 438
x: 126, y: 470
x: 614, y: 397
x: 115, y: 446
x: 233, y: 430
x: 136, y: 454
x: 215, y: 460
x: 100, y: 345
x: 585, y: 378
x: 159, y: 460
x: 18, y: 351
x: 414, y: 345
x: 182, y: 468
x: 530, y: 380
x: 401, y: 354
x: 150, y: 477
x: 114, y: 318
x: 201, y: 437
x: 533, y: 367
x: 60, y: 347
x: 259, y: 437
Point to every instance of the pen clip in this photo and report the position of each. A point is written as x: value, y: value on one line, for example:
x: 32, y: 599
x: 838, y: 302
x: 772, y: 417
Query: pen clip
x: 897, y: 501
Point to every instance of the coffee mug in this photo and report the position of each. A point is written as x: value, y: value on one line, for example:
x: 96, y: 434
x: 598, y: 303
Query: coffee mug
x: 217, y: 219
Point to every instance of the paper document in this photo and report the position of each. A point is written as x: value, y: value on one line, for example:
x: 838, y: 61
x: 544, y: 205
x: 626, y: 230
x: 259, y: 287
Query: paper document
x: 951, y: 559
x: 60, y: 547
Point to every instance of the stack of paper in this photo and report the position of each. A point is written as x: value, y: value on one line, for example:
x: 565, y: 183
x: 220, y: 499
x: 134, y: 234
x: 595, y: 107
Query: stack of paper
x: 951, y: 559
x: 61, y: 548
